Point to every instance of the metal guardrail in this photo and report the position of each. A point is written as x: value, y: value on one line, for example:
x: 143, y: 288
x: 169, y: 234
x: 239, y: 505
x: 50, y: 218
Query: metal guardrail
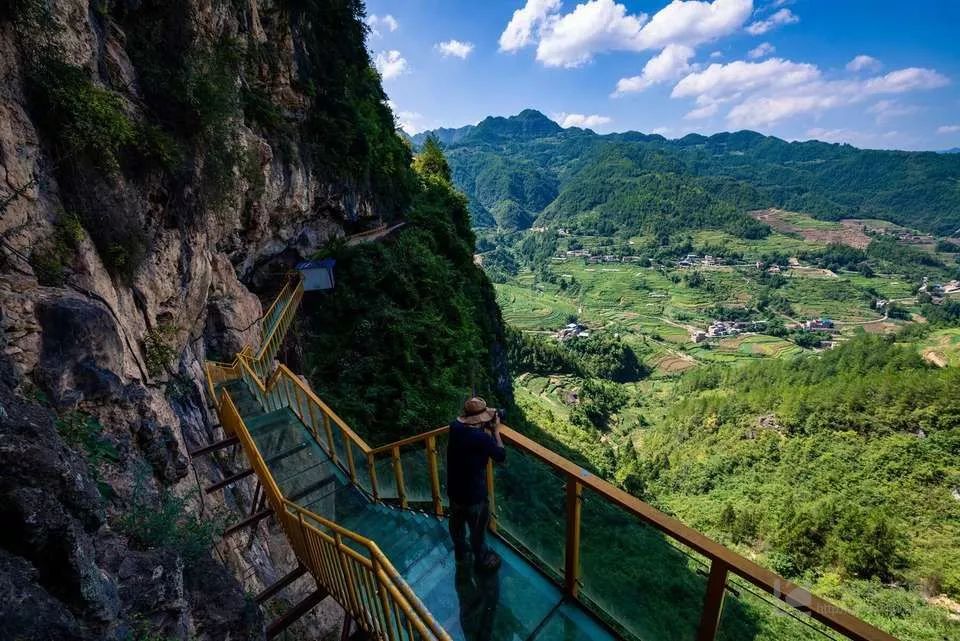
x: 380, y: 472
x: 364, y: 582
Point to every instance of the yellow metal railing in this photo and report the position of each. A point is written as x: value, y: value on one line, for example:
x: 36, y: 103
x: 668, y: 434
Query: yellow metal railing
x: 275, y: 323
x: 364, y: 582
x: 386, y: 473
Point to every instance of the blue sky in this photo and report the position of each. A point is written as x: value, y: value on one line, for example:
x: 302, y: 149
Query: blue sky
x: 874, y: 73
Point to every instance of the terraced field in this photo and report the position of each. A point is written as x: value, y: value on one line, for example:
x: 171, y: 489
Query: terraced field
x: 942, y: 348
x: 708, y: 240
x: 649, y: 303
x: 533, y: 310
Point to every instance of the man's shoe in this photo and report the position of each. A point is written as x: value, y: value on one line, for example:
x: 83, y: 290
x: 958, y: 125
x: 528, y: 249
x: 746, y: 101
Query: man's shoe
x: 490, y: 562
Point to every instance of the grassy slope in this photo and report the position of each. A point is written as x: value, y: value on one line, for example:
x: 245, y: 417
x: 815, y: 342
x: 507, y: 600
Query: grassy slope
x: 646, y: 306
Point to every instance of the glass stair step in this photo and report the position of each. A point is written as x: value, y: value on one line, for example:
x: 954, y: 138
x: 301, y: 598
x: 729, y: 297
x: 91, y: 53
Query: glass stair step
x: 270, y: 420
x: 339, y: 506
x: 323, y: 485
x: 298, y: 470
x: 439, y: 552
x: 278, y: 457
x: 280, y: 439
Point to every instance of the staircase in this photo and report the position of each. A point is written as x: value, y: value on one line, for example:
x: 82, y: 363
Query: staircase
x: 368, y: 524
x: 518, y: 602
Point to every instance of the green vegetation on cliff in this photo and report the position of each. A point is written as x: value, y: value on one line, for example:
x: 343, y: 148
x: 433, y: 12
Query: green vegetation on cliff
x: 412, y: 324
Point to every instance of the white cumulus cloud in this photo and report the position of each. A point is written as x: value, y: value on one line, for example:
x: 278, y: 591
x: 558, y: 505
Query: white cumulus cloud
x: 948, y: 129
x: 670, y: 63
x: 390, y: 64
x: 780, y: 18
x: 815, y: 97
x: 592, y: 27
x: 676, y: 30
x: 863, y: 63
x: 411, y: 122
x: 526, y: 22
x: 723, y: 80
x: 762, y: 50
x: 375, y: 23
x: 591, y: 121
x: 886, y: 110
x: 762, y: 93
x: 596, y: 26
x: 693, y: 23
x: 903, y: 80
x: 455, y: 48
x: 762, y: 110
x: 705, y: 111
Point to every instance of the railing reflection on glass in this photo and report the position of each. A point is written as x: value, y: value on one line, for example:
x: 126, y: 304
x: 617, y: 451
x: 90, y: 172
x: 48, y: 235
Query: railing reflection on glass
x: 642, y: 572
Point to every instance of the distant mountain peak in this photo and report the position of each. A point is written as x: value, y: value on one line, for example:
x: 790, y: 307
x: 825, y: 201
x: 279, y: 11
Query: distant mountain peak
x: 532, y: 115
x: 529, y: 123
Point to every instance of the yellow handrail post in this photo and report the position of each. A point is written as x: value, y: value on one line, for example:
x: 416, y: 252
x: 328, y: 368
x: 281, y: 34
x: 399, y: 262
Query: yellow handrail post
x: 571, y: 575
x: 350, y: 463
x: 382, y: 593
x: 226, y: 425
x: 434, y: 475
x: 313, y: 421
x: 329, y: 430
x: 347, y: 574
x: 398, y: 473
x: 371, y: 465
x: 299, y: 409
x: 491, y: 498
x: 211, y: 387
x: 285, y: 391
x: 713, y: 601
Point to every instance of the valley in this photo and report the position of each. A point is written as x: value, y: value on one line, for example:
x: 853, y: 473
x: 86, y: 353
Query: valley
x: 774, y: 364
x: 702, y: 451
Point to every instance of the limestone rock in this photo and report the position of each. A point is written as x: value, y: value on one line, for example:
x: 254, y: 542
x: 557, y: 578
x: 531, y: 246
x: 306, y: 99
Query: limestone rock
x: 81, y: 355
x: 27, y: 611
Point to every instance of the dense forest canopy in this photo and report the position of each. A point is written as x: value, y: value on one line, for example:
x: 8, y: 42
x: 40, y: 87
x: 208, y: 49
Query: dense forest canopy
x: 519, y: 170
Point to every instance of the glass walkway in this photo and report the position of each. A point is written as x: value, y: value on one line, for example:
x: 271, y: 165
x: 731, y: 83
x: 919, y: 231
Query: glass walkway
x: 515, y: 603
x: 576, y: 550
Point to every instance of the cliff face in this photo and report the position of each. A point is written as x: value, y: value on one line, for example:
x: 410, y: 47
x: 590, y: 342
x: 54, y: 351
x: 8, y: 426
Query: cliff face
x: 156, y: 158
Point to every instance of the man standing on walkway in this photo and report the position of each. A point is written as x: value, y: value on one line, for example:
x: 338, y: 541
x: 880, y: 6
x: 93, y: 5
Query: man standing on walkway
x: 474, y: 440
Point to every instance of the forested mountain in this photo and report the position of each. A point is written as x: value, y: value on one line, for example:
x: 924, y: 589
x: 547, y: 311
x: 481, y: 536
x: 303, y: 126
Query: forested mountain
x: 165, y: 162
x: 525, y: 169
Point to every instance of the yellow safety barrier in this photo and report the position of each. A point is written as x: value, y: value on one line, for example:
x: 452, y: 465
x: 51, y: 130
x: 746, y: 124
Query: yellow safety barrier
x: 368, y: 586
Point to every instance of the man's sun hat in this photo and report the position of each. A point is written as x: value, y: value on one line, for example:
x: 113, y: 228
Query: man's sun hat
x: 475, y: 411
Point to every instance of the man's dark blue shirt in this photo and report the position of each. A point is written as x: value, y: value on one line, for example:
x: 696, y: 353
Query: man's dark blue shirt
x: 467, y: 452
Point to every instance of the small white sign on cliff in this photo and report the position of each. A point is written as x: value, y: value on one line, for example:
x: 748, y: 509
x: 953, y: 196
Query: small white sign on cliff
x: 317, y: 274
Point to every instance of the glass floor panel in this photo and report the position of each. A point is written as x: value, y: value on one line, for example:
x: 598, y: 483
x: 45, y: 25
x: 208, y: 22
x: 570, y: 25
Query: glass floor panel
x: 571, y: 623
x: 515, y: 603
x: 506, y: 605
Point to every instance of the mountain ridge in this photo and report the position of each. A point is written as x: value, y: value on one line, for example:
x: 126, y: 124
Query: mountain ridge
x: 506, y: 165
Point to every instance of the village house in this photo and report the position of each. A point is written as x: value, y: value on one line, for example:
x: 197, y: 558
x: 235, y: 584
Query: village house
x: 573, y: 330
x: 819, y: 325
x: 720, y: 329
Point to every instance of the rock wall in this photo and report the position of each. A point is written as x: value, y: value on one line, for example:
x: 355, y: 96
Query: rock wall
x: 101, y: 394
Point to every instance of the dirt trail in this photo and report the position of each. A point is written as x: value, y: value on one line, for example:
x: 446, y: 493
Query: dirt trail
x: 373, y: 234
